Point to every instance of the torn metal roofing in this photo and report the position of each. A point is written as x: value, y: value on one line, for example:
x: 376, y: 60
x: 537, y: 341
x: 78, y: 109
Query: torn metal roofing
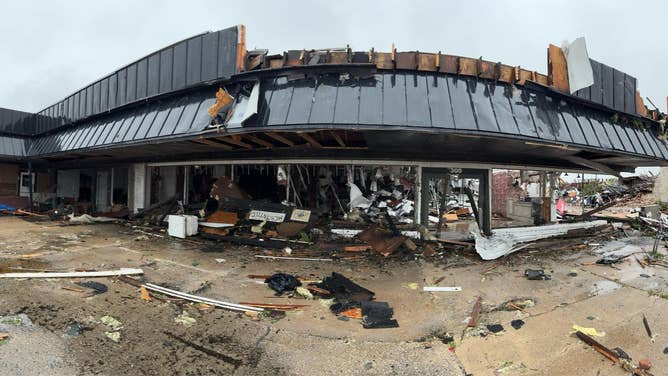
x: 449, y: 104
x: 190, y: 63
x: 417, y: 101
x: 160, y: 119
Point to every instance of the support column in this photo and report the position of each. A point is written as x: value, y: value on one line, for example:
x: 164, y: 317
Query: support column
x: 139, y: 187
x: 418, y: 195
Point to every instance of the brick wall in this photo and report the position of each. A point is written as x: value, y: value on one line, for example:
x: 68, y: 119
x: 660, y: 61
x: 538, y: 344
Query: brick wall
x: 502, y: 189
x: 9, y: 177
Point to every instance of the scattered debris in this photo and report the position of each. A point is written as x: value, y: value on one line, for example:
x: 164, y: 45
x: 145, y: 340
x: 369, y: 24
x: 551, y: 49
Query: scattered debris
x: 377, y: 315
x: 588, y: 331
x: 277, y: 307
x: 441, y: 288
x: 536, y: 275
x: 292, y: 258
x: 508, y: 240
x: 97, y: 287
x: 517, y: 324
x: 475, y: 312
x: 109, y: 273
x: 281, y: 282
x: 597, y: 346
x: 73, y: 329
x: 198, y: 299
x: 495, y: 328
x: 304, y: 292
x: 145, y: 296
x: 185, y: 320
x: 647, y: 329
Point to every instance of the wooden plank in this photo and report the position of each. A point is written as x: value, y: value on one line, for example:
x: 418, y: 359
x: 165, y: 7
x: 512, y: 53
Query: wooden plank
x: 448, y: 64
x: 468, y: 66
x: 338, y: 57
x: 507, y: 74
x: 205, y: 141
x: 241, y: 48
x: 235, y: 140
x: 640, y: 105
x: 257, y: 140
x: 487, y: 70
x: 312, y: 141
x: 427, y: 62
x: 475, y: 312
x: 338, y: 138
x: 407, y: 60
x: 557, y: 68
x: 280, y: 138
x: 384, y: 60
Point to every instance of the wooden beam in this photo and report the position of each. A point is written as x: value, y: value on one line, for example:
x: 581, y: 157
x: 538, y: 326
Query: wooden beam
x: 338, y: 138
x: 235, y: 140
x: 205, y: 141
x: 593, y: 165
x: 312, y: 141
x: 257, y: 140
x: 280, y: 138
x: 557, y: 69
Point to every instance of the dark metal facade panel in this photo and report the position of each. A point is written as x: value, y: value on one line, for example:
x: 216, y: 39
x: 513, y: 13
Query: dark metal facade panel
x: 172, y: 119
x: 630, y: 85
x: 142, y: 78
x: 194, y: 61
x: 462, y: 107
x: 210, y: 56
x: 646, y: 139
x: 371, y: 100
x: 601, y: 134
x: 279, y: 104
x: 134, y: 127
x: 480, y: 97
x: 301, y: 102
x: 202, y: 117
x: 560, y: 129
x: 145, y: 125
x: 160, y: 117
x: 540, y: 116
x: 347, y: 107
x: 191, y: 62
x: 501, y: 96
x: 166, y: 70
x: 571, y: 123
x: 439, y: 102
x: 324, y: 101
x: 618, y: 90
x: 394, y: 99
x: 612, y: 135
x: 16, y: 122
x: 187, y: 117
x: 418, y: 110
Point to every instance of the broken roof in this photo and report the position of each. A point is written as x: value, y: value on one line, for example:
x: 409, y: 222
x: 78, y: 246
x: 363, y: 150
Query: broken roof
x: 340, y: 89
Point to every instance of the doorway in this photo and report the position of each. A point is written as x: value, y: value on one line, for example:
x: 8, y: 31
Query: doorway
x: 453, y: 198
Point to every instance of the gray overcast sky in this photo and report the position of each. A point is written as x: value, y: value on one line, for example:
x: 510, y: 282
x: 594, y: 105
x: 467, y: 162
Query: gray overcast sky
x: 50, y: 49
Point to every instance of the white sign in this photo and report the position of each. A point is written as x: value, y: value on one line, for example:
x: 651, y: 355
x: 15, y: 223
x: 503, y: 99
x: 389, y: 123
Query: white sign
x: 300, y: 215
x: 259, y: 215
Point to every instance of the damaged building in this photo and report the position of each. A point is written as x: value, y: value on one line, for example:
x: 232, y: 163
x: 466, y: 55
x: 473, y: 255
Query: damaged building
x: 458, y: 145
